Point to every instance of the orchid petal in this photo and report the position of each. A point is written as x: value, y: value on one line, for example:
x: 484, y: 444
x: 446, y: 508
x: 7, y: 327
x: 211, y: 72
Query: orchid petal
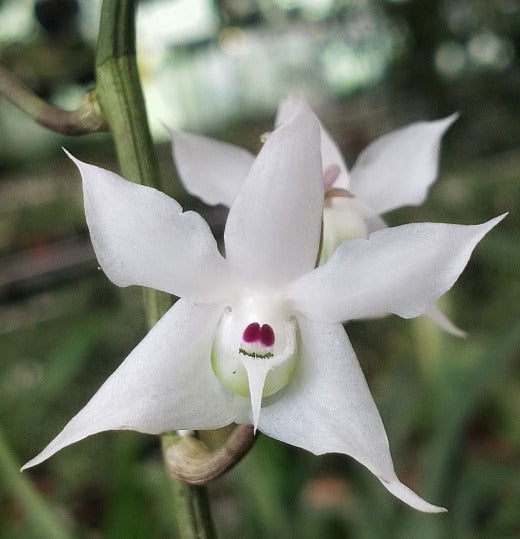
x: 434, y: 313
x: 330, y: 153
x: 273, y: 228
x: 328, y: 408
x: 142, y: 237
x: 374, y: 223
x: 286, y: 109
x: 166, y: 383
x: 209, y: 169
x: 397, y: 169
x: 400, y: 270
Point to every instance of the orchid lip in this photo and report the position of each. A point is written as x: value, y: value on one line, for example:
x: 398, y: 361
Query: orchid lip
x: 255, y: 359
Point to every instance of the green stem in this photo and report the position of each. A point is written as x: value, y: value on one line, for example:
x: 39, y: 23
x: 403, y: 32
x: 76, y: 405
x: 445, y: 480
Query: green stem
x: 192, y: 511
x: 17, y: 485
x: 87, y: 118
x: 120, y: 96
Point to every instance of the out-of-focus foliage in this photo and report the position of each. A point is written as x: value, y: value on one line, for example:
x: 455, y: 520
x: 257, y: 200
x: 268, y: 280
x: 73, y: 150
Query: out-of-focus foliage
x: 451, y: 406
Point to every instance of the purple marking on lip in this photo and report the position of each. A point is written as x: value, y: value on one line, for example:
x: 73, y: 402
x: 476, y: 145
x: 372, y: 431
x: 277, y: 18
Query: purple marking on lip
x: 251, y: 333
x: 255, y: 333
x: 267, y: 335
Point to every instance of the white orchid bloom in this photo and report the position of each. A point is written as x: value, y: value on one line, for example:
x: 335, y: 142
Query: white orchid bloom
x: 395, y: 170
x: 257, y: 337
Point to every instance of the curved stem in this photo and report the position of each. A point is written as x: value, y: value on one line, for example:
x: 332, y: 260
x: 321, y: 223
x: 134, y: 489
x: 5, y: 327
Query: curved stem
x: 189, y: 459
x: 87, y: 118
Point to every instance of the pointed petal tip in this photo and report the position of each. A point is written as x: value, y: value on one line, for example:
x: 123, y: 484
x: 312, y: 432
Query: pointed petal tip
x: 483, y: 228
x: 68, y: 154
x: 26, y: 466
x: 449, y: 120
x: 498, y: 218
x: 256, y: 377
x: 80, y: 164
x: 293, y: 108
x: 488, y: 225
x: 438, y: 317
x: 287, y: 107
x: 408, y: 496
x: 33, y: 462
x: 449, y: 327
x: 457, y: 332
x: 61, y: 441
x: 440, y: 126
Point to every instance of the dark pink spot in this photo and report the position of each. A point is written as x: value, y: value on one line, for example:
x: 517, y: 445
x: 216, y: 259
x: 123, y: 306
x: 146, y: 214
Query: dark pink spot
x: 252, y: 332
x: 330, y: 175
x: 256, y: 334
x: 267, y: 335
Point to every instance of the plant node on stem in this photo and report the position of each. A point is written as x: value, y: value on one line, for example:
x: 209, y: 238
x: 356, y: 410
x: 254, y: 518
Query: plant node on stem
x: 87, y: 118
x: 190, y: 460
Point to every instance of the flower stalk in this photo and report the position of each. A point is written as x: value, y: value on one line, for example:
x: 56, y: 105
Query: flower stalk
x: 120, y: 95
x: 121, y: 98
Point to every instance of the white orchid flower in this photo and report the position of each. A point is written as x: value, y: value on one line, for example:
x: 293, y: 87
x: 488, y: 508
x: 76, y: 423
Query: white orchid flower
x: 257, y: 336
x: 395, y: 170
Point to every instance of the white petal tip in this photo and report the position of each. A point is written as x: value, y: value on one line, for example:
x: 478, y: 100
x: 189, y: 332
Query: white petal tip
x: 483, y: 228
x: 68, y: 154
x: 443, y: 124
x: 256, y: 373
x: 450, y: 120
x: 75, y: 160
x: 408, y: 496
x: 457, y: 332
x: 38, y: 459
x: 488, y: 225
x: 439, y: 318
x: 449, y: 327
x: 496, y: 220
x: 28, y: 464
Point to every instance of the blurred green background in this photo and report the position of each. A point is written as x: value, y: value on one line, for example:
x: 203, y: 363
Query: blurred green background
x: 450, y: 406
